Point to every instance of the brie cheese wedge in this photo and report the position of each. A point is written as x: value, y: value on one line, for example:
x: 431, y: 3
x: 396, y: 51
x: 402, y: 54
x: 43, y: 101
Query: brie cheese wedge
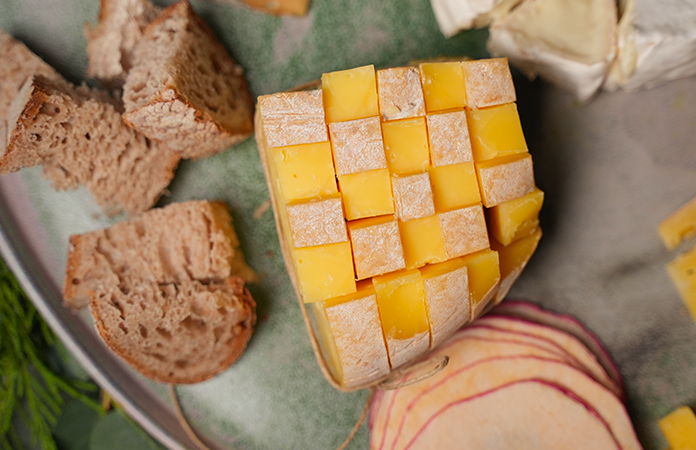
x: 454, y: 16
x: 570, y: 43
x: 656, y: 43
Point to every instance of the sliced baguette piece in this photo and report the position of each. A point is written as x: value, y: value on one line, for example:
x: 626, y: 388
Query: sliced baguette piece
x: 80, y: 138
x: 182, y: 242
x: 110, y: 43
x: 176, y: 333
x: 185, y: 89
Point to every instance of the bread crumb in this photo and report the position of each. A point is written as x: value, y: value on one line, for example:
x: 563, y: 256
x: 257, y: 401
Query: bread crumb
x: 261, y: 210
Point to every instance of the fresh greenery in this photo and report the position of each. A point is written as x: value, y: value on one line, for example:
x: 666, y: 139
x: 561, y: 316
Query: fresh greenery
x: 32, y: 394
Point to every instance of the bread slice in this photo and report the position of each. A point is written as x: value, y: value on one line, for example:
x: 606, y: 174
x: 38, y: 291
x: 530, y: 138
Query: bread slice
x: 182, y: 242
x: 79, y: 137
x: 185, y: 89
x: 176, y: 333
x: 110, y: 43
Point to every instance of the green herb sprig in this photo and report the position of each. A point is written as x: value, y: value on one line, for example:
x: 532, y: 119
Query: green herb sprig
x: 29, y: 390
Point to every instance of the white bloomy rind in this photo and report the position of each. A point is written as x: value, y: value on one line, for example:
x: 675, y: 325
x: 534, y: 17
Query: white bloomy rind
x: 570, y: 44
x: 454, y: 16
x: 656, y: 43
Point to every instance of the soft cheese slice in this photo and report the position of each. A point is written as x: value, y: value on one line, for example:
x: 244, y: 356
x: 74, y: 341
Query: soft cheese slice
x: 656, y: 43
x: 454, y: 16
x: 570, y: 44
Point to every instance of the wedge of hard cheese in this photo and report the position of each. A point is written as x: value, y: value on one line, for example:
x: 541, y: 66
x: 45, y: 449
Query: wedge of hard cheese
x: 380, y: 183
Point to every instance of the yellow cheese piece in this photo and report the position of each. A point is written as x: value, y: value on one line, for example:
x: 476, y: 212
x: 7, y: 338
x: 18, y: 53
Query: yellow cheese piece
x: 495, y: 132
x: 454, y: 186
x: 464, y: 230
x: 484, y: 275
x: 293, y: 118
x: 401, y: 302
x: 679, y: 428
x: 413, y: 196
x: 447, y: 298
x: 304, y: 171
x: 350, y: 94
x: 376, y: 245
x: 682, y: 271
x: 367, y: 194
x: 505, y: 178
x: 678, y: 226
x: 513, y: 259
x: 515, y: 219
x: 324, y: 271
x: 443, y: 85
x: 400, y: 93
x: 422, y: 241
x: 357, y: 146
x: 449, y: 138
x: 352, y: 333
x: 406, y: 146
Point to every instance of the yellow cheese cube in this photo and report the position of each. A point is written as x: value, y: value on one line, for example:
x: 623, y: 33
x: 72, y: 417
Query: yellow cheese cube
x: 352, y: 333
x: 293, y: 118
x: 350, y: 94
x: 401, y: 302
x: 413, y: 196
x: 367, y: 194
x: 376, y: 246
x: 357, y: 146
x: 400, y: 93
x: 317, y: 222
x: 305, y: 171
x: 682, y: 271
x: 513, y: 259
x: 679, y: 428
x: 515, y: 219
x: 678, y: 226
x: 406, y: 146
x: 422, y: 241
x: 325, y: 271
x: 447, y: 298
x: 504, y: 179
x: 484, y: 275
x: 454, y: 186
x: 448, y: 134
x: 495, y: 132
x: 464, y: 230
x: 443, y: 85
x: 488, y: 82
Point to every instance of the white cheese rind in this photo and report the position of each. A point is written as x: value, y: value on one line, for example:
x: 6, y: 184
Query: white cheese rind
x: 571, y: 47
x: 656, y: 43
x: 454, y: 16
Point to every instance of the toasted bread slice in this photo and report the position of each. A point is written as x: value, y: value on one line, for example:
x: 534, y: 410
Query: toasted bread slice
x: 79, y: 137
x: 185, y: 89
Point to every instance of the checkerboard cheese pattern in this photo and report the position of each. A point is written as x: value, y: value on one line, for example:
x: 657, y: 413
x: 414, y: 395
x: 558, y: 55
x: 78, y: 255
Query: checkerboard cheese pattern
x: 400, y: 193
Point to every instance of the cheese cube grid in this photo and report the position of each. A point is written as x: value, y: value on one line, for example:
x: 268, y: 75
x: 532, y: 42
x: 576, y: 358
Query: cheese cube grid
x: 416, y: 153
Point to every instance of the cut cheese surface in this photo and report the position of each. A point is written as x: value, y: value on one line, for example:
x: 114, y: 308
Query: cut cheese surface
x: 350, y: 94
x: 443, y: 85
x: 367, y: 194
x: 679, y: 428
x: 678, y: 226
x: 384, y: 221
x: 305, y: 171
x: 423, y: 242
x: 454, y: 186
x: 406, y: 146
x: 515, y: 219
x: 325, y: 271
x: 495, y: 132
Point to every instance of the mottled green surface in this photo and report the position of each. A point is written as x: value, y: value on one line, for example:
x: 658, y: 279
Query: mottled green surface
x: 275, y: 396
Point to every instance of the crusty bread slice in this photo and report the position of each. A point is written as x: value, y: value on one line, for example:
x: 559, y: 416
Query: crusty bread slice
x: 185, y: 89
x: 110, y: 43
x: 17, y: 64
x: 176, y: 333
x: 79, y: 137
x: 188, y: 241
